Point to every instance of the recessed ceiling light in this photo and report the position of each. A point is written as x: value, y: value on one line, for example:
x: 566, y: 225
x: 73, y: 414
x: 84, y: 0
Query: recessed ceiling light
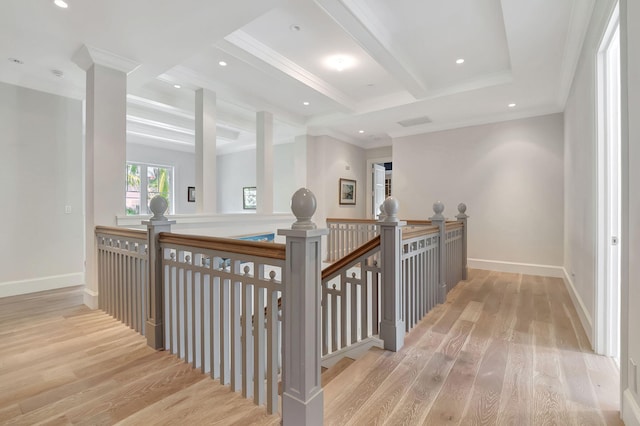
x: 294, y: 27
x: 459, y: 61
x: 16, y: 61
x: 360, y: 131
x: 511, y: 105
x: 305, y: 103
x: 61, y: 3
x: 222, y: 63
x: 340, y: 62
x: 177, y: 86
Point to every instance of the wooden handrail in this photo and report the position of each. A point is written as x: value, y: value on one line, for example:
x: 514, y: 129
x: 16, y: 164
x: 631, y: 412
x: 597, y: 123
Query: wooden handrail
x: 420, y: 232
x: 122, y: 232
x: 418, y: 222
x: 369, y: 245
x: 367, y: 221
x: 453, y: 225
x: 251, y: 248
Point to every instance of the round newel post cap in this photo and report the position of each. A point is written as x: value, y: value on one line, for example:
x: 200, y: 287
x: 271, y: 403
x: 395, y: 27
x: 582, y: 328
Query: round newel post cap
x: 382, y: 215
x: 303, y: 206
x: 462, y: 208
x: 390, y: 208
x: 438, y: 208
x: 158, y: 206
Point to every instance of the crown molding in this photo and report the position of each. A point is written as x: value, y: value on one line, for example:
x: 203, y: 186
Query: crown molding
x: 87, y: 56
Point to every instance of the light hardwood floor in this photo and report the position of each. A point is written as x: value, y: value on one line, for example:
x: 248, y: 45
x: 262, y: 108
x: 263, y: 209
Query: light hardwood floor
x: 61, y: 363
x: 505, y: 349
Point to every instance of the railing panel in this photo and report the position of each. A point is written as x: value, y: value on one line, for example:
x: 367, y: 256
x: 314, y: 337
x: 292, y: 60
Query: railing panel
x: 346, y: 235
x: 223, y: 316
x: 122, y: 275
x: 419, y: 274
x: 350, y: 301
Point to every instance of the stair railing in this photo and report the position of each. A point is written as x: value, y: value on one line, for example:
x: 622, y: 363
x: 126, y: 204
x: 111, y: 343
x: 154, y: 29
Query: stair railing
x: 122, y: 259
x: 351, y: 297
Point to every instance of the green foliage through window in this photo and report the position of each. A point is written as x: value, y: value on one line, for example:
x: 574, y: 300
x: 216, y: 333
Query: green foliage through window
x: 145, y: 181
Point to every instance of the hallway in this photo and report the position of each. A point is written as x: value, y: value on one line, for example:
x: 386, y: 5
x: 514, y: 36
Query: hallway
x: 506, y: 349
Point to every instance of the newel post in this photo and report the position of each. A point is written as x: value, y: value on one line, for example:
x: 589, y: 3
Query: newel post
x: 439, y: 220
x: 155, y: 298
x: 302, y: 396
x: 462, y: 217
x: 392, y: 327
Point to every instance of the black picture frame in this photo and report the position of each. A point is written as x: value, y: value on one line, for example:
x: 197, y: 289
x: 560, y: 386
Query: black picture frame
x: 191, y: 194
x: 347, y: 192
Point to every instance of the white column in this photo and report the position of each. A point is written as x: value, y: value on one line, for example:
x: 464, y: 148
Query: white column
x: 392, y: 327
x: 205, y: 129
x: 462, y: 217
x: 264, y: 162
x: 439, y: 220
x: 302, y: 396
x: 105, y: 149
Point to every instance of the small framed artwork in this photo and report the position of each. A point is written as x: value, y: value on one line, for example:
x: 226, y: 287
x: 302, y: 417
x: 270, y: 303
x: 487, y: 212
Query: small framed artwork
x: 347, y: 191
x: 249, y: 197
x: 191, y: 194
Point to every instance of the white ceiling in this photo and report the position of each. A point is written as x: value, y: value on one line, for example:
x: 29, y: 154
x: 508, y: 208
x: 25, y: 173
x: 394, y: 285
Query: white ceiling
x: 404, y: 55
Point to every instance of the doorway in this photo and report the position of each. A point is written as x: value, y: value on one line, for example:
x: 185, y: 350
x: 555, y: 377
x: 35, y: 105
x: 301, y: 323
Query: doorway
x: 380, y: 178
x: 607, y: 327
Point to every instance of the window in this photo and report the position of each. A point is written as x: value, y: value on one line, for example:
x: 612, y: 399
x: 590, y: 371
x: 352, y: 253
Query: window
x: 145, y: 181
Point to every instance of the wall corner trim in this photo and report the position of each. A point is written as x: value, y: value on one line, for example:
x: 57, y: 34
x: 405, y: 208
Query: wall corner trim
x: 630, y: 411
x: 90, y: 298
x: 583, y: 313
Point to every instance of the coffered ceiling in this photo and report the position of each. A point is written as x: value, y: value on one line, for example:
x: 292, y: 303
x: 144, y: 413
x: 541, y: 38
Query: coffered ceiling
x: 395, y: 74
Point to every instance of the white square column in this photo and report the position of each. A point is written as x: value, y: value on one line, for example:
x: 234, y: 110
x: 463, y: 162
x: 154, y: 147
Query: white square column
x: 264, y: 162
x: 105, y: 149
x: 205, y: 132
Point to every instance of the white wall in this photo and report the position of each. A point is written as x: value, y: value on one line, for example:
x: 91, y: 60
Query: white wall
x: 238, y: 169
x: 289, y: 173
x: 327, y: 162
x: 184, y: 170
x: 510, y: 175
x: 41, y: 247
x: 581, y: 174
x: 235, y: 171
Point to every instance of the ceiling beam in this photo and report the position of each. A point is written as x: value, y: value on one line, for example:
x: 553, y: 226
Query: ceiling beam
x: 260, y: 54
x: 359, y: 21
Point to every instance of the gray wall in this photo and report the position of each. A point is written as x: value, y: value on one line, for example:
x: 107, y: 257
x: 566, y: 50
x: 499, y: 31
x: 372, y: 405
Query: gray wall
x: 41, y: 246
x: 510, y: 175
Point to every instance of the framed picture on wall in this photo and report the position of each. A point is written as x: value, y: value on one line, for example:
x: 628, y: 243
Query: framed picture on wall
x: 191, y: 194
x: 347, y: 191
x: 249, y: 197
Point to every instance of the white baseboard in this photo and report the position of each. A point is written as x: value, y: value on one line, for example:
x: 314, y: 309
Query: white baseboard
x: 583, y: 313
x: 90, y: 298
x: 14, y: 288
x: 630, y: 409
x: 516, y: 268
x: 354, y: 351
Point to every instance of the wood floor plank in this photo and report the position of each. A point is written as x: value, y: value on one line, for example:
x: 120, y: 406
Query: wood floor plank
x: 414, y: 406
